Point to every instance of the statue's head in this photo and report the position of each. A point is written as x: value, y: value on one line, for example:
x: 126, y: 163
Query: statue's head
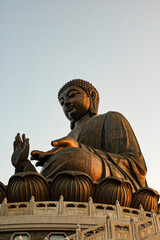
x: 78, y: 98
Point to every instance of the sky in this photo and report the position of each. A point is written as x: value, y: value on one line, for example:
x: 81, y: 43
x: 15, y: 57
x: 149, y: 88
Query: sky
x: 114, y: 44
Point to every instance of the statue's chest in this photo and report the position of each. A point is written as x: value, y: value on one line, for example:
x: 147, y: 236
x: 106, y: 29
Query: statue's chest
x: 88, y: 133
x: 75, y: 133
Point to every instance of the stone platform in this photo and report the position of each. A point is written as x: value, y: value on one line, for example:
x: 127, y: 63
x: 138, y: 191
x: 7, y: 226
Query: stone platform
x: 76, y: 221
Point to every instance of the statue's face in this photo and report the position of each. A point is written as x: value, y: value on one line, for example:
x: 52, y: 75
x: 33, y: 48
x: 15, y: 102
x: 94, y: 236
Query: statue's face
x: 75, y: 103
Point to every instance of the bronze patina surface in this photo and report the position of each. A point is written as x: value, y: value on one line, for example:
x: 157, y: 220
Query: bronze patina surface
x: 98, y: 145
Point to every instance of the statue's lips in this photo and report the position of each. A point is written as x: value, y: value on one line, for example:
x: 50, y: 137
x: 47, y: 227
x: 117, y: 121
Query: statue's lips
x: 69, y: 109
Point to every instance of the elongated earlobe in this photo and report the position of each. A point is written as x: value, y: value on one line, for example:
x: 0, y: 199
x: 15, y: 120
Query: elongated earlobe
x: 93, y: 105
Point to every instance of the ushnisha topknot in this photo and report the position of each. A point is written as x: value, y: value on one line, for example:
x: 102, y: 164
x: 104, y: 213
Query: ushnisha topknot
x: 86, y: 86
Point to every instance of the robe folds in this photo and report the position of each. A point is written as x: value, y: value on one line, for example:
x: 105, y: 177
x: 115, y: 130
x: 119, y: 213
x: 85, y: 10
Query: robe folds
x: 111, y: 139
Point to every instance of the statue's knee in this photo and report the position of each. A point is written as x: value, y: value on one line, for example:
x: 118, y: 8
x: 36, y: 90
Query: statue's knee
x: 75, y: 159
x: 83, y: 160
x: 73, y: 151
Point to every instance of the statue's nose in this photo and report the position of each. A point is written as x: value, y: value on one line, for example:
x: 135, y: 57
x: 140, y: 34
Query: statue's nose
x: 67, y: 103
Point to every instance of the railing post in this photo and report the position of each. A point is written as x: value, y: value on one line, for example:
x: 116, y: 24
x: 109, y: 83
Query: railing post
x: 133, y: 227
x: 90, y: 207
x: 78, y: 232
x: 156, y: 227
x: 31, y: 206
x: 3, y: 206
x: 142, y: 214
x: 61, y: 205
x: 118, y: 209
x: 108, y: 228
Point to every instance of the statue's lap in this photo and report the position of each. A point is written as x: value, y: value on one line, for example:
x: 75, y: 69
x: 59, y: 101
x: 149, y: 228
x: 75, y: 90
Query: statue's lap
x: 74, y: 159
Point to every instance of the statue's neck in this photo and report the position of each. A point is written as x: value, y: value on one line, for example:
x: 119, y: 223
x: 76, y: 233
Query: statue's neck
x: 82, y: 120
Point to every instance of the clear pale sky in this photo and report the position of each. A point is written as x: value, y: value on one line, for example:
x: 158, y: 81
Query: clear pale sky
x: 114, y: 44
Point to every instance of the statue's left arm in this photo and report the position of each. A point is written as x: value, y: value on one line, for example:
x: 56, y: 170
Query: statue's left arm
x: 58, y: 145
x: 112, y: 139
x: 123, y: 148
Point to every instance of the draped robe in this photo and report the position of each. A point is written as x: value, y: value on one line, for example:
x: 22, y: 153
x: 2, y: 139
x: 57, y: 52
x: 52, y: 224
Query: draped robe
x: 110, y: 138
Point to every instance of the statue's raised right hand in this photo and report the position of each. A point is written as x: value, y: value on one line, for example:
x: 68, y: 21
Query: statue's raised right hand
x: 21, y: 151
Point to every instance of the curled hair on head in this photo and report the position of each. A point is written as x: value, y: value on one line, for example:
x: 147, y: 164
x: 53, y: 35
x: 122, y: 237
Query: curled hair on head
x: 88, y: 88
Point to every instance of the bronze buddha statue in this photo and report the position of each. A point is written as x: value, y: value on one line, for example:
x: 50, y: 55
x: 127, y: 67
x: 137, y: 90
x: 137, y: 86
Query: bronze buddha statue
x: 98, y: 145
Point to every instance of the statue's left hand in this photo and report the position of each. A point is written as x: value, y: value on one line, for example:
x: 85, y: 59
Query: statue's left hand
x: 58, y: 145
x: 64, y: 142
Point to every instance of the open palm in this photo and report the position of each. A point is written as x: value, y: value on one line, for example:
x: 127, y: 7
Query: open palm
x: 21, y: 151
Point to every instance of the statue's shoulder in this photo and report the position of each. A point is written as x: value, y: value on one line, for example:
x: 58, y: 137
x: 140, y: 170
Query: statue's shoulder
x: 109, y: 118
x: 112, y: 118
x: 110, y: 114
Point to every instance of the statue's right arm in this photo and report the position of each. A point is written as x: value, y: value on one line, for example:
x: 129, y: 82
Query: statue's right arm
x: 20, y: 155
x: 58, y: 145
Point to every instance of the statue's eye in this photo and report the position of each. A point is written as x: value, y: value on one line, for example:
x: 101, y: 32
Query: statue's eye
x: 72, y: 95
